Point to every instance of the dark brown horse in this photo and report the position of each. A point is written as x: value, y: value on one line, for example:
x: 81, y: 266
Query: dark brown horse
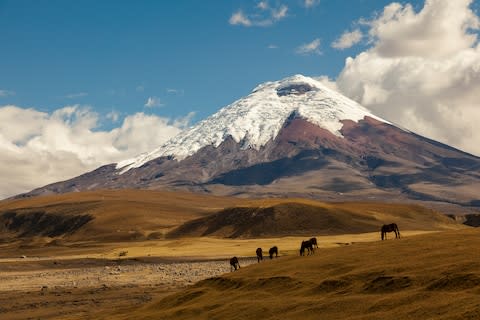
x: 314, y: 242
x: 390, y: 228
x: 234, y: 264
x: 272, y: 251
x: 307, y: 245
x: 259, y: 254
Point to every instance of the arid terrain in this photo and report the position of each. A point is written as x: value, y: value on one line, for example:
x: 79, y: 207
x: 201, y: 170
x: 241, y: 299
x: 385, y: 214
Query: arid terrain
x: 160, y: 255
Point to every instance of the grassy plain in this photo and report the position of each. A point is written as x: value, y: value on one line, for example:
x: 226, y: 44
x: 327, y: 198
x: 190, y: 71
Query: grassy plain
x: 121, y: 265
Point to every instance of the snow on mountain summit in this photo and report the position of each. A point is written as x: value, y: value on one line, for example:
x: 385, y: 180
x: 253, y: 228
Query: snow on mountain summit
x: 257, y: 118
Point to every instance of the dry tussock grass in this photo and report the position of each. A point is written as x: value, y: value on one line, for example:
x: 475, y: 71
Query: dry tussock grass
x: 434, y: 276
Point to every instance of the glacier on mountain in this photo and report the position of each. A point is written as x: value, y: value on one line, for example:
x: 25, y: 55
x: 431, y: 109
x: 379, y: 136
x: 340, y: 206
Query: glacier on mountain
x: 257, y: 118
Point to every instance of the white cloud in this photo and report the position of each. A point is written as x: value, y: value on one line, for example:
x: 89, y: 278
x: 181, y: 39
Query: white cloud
x: 310, y: 3
x: 263, y: 5
x: 309, y: 48
x: 6, y: 93
x: 76, y: 95
x: 113, y: 116
x: 422, y: 71
x: 280, y: 12
x: 140, y: 88
x: 153, y: 102
x: 439, y: 30
x: 37, y: 148
x: 329, y: 83
x: 239, y: 18
x: 272, y: 46
x: 348, y: 39
x: 263, y: 15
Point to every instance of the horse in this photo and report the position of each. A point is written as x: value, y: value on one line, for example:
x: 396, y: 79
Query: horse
x: 306, y: 245
x: 314, y: 242
x: 259, y: 254
x: 234, y: 264
x: 273, y: 250
x: 390, y: 228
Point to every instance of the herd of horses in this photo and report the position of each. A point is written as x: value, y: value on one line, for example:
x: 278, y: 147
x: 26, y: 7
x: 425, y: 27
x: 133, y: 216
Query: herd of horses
x: 310, y: 245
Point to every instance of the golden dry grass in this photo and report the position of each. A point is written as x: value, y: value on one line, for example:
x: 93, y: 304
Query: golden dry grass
x: 353, y: 276
x: 129, y: 215
x: 433, y: 276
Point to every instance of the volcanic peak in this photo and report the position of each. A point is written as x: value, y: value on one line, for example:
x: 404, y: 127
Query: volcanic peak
x: 257, y: 118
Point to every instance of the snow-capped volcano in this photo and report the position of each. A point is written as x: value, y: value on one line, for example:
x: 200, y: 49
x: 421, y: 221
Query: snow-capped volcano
x: 295, y: 137
x: 256, y: 119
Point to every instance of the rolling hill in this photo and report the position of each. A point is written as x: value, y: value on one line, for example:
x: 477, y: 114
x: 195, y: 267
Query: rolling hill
x: 126, y: 215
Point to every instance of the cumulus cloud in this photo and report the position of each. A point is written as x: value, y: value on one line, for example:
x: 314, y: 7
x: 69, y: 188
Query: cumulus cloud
x: 153, y: 102
x: 309, y: 48
x: 37, y: 148
x: 422, y: 70
x: 348, y: 40
x: 239, y: 18
x: 263, y: 15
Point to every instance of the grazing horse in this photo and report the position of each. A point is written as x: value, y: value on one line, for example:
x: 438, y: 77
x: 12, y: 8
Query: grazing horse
x: 259, y: 254
x: 390, y: 228
x: 306, y: 245
x: 273, y: 250
x: 314, y: 242
x: 234, y: 264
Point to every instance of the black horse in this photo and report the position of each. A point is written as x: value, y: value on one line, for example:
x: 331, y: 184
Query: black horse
x: 272, y: 251
x: 234, y: 264
x: 259, y: 254
x: 390, y: 228
x: 314, y: 242
x: 307, y: 245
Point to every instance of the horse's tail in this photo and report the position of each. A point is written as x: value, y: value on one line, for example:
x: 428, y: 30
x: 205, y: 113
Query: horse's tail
x: 382, y: 233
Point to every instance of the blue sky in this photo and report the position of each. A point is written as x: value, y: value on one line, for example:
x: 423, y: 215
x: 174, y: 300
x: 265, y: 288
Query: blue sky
x: 86, y: 83
x: 114, y: 55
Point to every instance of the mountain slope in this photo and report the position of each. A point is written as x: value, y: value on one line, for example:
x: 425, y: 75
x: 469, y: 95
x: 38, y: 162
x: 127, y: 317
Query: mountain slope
x: 295, y: 137
x: 255, y: 120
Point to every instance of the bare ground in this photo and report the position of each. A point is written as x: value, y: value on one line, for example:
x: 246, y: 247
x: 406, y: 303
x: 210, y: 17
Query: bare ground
x: 77, y: 289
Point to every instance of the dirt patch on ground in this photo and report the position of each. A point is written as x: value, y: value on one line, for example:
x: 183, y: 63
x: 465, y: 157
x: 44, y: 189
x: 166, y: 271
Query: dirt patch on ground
x: 78, y: 289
